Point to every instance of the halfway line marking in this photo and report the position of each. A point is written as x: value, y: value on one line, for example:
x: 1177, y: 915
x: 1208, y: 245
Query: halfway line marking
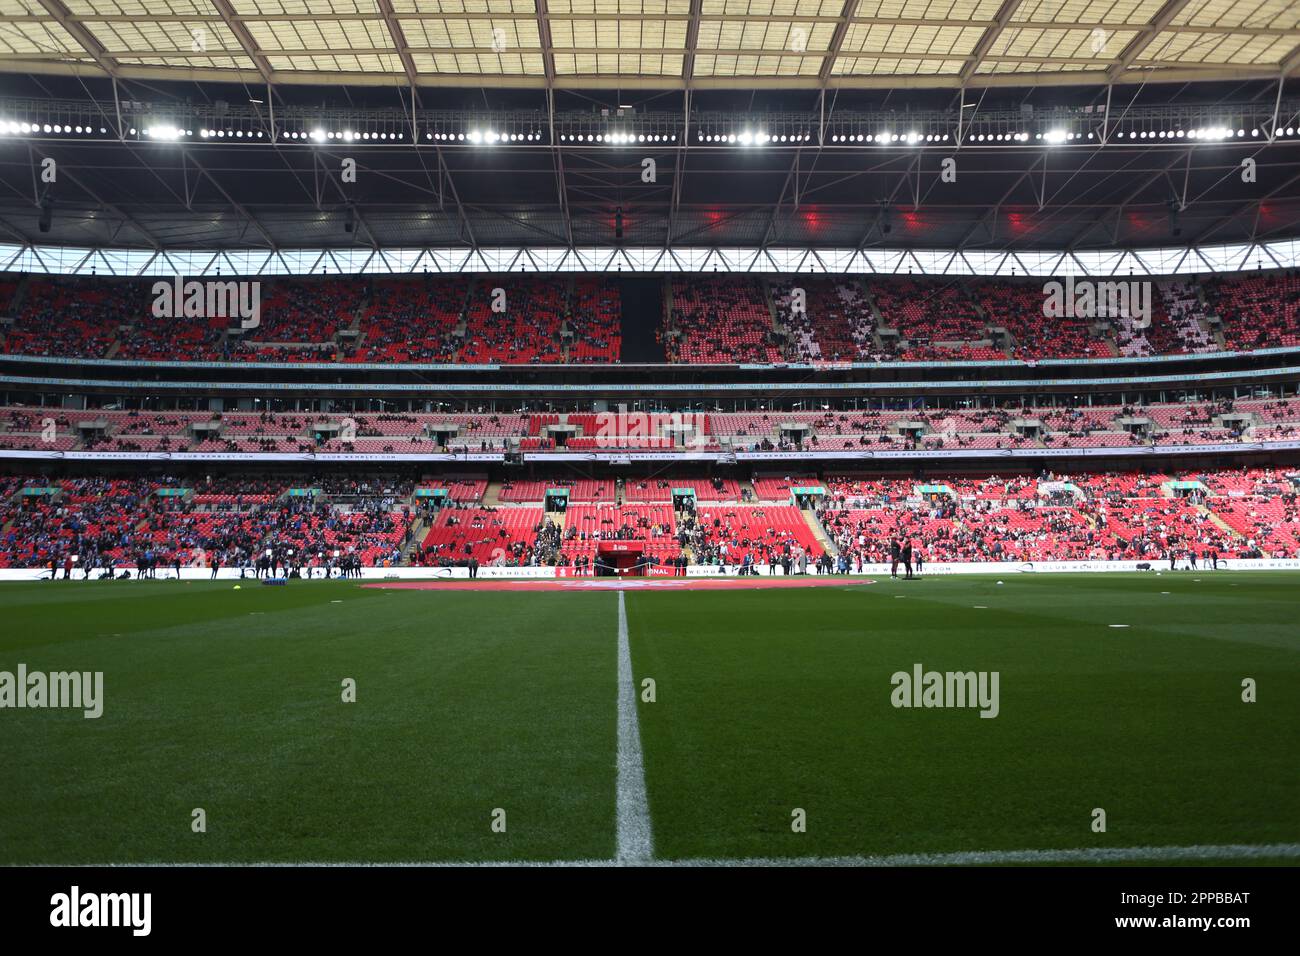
x: 634, y: 841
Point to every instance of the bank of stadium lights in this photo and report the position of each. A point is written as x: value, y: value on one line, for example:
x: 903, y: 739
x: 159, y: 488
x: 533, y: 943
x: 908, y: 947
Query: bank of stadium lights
x: 16, y: 128
x: 352, y: 136
x: 492, y: 137
x: 886, y: 138
x: 604, y: 138
x: 164, y: 133
x: 318, y: 135
x: 225, y: 134
x: 1203, y: 134
x: 1052, y: 137
x: 616, y: 139
x: 1057, y: 136
x: 1199, y: 134
x: 169, y: 130
x: 479, y: 137
x: 751, y: 138
x: 1015, y: 137
x: 483, y: 137
x: 743, y: 138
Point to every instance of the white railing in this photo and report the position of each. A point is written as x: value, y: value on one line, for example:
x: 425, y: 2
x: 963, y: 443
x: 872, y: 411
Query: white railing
x: 1115, y: 263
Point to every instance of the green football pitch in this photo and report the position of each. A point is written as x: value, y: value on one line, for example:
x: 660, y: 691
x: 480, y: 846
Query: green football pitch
x: 485, y: 725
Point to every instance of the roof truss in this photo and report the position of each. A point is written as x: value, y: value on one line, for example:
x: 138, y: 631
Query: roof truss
x: 678, y: 44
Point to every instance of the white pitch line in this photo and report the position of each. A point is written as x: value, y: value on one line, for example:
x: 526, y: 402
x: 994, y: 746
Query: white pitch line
x: 633, y: 841
x: 1127, y: 854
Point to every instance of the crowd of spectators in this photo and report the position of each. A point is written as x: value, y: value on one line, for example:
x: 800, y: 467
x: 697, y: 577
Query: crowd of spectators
x: 835, y: 323
x: 1257, y: 311
x: 411, y: 320
x: 230, y: 521
x: 719, y: 320
x: 106, y: 524
x: 710, y: 319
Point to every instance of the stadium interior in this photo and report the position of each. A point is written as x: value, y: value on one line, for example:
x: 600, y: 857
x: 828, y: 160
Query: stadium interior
x: 604, y: 247
x: 464, y: 299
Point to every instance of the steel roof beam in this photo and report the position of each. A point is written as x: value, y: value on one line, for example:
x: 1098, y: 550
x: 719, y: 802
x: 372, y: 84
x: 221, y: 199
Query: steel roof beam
x: 94, y: 49
x: 236, y: 26
x: 837, y: 40
x: 1128, y: 56
x: 692, y: 41
x: 991, y: 33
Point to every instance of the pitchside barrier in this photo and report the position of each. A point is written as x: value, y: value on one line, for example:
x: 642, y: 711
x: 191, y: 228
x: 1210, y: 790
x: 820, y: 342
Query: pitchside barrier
x: 877, y: 570
x: 619, y: 455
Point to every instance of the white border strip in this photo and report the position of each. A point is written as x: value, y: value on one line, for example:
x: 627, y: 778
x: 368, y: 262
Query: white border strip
x: 1089, y: 855
x: 869, y: 572
x: 634, y: 842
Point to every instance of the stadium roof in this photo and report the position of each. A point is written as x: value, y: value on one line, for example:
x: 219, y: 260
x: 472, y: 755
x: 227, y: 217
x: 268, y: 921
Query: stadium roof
x: 655, y: 44
x: 211, y: 195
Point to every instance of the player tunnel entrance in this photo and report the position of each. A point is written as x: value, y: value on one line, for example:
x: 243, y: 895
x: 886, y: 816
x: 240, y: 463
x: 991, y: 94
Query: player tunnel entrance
x: 620, y: 559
